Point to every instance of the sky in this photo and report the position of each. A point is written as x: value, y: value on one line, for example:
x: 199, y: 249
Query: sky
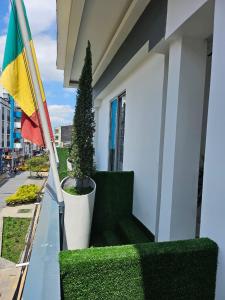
x: 42, y: 20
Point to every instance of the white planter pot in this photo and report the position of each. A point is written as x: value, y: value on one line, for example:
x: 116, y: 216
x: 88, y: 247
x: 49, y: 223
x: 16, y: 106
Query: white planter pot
x: 78, y: 217
x: 69, y: 165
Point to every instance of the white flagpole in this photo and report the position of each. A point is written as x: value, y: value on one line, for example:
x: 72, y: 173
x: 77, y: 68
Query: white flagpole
x: 33, y: 73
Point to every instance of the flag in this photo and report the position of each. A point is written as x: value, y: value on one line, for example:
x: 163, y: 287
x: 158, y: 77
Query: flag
x: 16, y: 79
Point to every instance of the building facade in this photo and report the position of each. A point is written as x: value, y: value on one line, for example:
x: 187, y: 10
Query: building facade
x: 63, y: 136
x: 5, y: 119
x: 16, y: 141
x: 19, y: 146
x: 4, y: 124
x: 158, y: 86
x: 12, y: 146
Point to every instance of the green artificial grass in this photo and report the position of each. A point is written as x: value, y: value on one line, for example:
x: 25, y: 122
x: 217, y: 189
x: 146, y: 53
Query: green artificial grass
x: 113, y: 222
x: 113, y: 200
x: 132, y: 232
x: 13, y: 238
x: 181, y: 270
x: 78, y: 191
x: 111, y: 238
x: 63, y: 154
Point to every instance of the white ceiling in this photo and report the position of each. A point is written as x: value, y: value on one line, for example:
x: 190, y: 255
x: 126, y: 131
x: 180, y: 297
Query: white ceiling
x: 106, y: 23
x: 99, y: 23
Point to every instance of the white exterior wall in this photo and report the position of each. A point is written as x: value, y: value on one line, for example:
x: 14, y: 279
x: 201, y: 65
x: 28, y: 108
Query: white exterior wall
x: 102, y: 135
x: 3, y: 138
x: 144, y: 93
x: 6, y: 107
x: 179, y: 11
x: 213, y: 202
x: 185, y: 97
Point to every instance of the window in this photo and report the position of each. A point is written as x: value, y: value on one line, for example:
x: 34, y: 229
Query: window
x: 112, y: 136
x: 8, y: 115
x: 121, y: 129
x: 3, y: 114
x: 116, y: 136
x: 6, y: 96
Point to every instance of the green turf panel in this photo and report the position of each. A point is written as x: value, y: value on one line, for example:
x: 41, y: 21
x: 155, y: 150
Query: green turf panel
x: 131, y: 232
x: 111, y: 238
x: 113, y: 200
x: 181, y: 270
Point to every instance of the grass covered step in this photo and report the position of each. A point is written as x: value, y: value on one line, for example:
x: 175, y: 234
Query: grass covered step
x: 111, y: 238
x: 133, y: 232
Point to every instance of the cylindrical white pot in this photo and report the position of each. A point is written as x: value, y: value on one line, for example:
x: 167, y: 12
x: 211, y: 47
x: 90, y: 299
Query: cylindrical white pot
x: 78, y: 218
x: 69, y: 165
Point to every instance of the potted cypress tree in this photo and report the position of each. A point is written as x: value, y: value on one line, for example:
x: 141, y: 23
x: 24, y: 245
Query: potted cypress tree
x: 79, y: 188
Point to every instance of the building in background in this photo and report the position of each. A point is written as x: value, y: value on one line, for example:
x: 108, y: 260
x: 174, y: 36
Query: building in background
x: 13, y: 148
x: 63, y: 136
x: 16, y: 141
x: 19, y: 147
x: 4, y: 124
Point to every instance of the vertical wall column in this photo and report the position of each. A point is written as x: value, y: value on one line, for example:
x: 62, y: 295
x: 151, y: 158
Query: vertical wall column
x: 213, y: 202
x: 162, y: 133
x: 184, y: 108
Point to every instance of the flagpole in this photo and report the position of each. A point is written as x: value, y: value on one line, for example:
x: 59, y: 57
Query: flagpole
x: 38, y: 96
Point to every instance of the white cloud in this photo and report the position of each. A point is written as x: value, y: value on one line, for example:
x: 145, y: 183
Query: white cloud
x: 46, y: 55
x: 70, y: 90
x: 2, y: 48
x: 42, y: 19
x: 41, y: 14
x: 61, y: 114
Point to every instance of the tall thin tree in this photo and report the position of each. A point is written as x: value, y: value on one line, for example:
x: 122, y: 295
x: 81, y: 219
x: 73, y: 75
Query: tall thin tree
x: 82, y: 149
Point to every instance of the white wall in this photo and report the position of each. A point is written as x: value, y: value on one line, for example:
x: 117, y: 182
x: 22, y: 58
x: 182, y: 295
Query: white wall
x: 102, y: 135
x: 179, y: 11
x: 144, y: 90
x: 213, y: 202
x: 185, y: 97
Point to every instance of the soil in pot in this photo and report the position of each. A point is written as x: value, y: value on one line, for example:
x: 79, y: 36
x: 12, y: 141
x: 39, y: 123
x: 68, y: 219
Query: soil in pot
x: 78, y: 191
x: 78, y: 186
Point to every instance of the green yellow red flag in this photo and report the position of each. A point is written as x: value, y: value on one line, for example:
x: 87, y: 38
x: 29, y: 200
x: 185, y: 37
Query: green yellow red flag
x: 17, y: 81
